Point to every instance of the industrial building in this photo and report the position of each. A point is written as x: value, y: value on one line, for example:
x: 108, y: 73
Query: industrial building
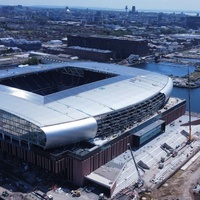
x: 193, y: 22
x: 71, y: 118
x: 123, y: 47
x: 21, y: 43
x: 97, y: 55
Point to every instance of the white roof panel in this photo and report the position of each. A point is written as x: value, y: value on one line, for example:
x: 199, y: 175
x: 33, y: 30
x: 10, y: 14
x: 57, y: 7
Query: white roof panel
x: 130, y: 86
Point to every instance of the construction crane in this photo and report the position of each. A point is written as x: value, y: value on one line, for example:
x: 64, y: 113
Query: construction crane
x: 189, y: 105
x: 140, y: 181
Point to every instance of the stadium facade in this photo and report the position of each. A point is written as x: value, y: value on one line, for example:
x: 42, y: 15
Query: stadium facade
x: 72, y: 118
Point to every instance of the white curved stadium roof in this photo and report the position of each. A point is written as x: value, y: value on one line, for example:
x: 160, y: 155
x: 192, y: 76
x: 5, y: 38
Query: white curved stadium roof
x: 129, y: 87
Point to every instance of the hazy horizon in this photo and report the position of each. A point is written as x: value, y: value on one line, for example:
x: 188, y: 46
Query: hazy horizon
x: 162, y: 5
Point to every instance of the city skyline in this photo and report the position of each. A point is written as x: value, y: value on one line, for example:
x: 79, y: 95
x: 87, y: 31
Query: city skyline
x: 176, y: 5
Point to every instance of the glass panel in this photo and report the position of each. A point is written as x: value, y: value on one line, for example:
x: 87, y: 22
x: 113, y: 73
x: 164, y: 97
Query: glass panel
x: 121, y: 120
x: 19, y: 129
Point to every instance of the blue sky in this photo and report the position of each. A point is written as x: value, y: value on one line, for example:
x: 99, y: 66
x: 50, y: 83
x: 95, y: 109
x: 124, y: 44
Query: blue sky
x: 183, y: 5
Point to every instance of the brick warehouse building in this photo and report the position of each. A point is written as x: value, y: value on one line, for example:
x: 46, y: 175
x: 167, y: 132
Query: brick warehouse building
x: 122, y: 46
x: 54, y: 123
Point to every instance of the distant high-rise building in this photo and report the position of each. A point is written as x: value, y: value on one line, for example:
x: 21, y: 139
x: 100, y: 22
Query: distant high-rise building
x: 160, y: 16
x: 20, y: 6
x: 193, y: 22
x: 47, y: 13
x: 133, y: 9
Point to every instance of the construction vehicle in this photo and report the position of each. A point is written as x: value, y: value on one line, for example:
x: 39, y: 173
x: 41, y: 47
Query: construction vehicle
x: 101, y: 196
x: 196, y: 190
x: 76, y: 193
x: 190, y: 139
x: 174, y: 153
x: 5, y: 193
x: 140, y: 181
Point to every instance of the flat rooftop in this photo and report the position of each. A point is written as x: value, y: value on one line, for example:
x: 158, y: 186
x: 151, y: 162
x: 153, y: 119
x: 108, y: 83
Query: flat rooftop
x: 151, y: 154
x: 107, y: 174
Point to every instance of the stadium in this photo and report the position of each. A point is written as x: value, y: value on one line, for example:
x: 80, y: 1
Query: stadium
x: 72, y: 118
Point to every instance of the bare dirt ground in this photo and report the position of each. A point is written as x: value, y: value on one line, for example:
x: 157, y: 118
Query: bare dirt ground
x: 179, y: 186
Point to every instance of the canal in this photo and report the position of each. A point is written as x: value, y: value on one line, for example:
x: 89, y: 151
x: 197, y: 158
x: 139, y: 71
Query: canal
x: 176, y: 70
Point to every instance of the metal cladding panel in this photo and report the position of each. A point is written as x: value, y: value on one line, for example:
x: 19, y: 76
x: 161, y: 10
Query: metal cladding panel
x: 37, y: 114
x: 67, y: 133
x: 128, y: 92
x: 129, y: 87
x: 87, y: 106
x: 168, y: 89
x: 38, y: 99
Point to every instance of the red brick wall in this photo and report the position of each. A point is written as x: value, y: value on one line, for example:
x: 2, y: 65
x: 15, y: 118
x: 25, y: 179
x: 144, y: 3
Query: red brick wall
x: 73, y: 169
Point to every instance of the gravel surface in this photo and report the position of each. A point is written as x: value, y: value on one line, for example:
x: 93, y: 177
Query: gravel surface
x: 179, y: 186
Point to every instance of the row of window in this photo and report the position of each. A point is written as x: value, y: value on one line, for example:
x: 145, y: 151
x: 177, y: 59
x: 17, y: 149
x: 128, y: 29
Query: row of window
x: 126, y: 118
x: 17, y: 127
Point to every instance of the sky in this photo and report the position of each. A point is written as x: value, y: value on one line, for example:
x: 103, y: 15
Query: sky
x: 174, y: 5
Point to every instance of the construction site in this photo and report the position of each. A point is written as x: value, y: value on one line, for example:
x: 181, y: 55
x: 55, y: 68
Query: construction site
x: 166, y: 171
x: 165, y: 168
x: 153, y: 150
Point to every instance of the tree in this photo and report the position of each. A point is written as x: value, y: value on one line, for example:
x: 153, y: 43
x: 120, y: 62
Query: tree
x: 32, y: 61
